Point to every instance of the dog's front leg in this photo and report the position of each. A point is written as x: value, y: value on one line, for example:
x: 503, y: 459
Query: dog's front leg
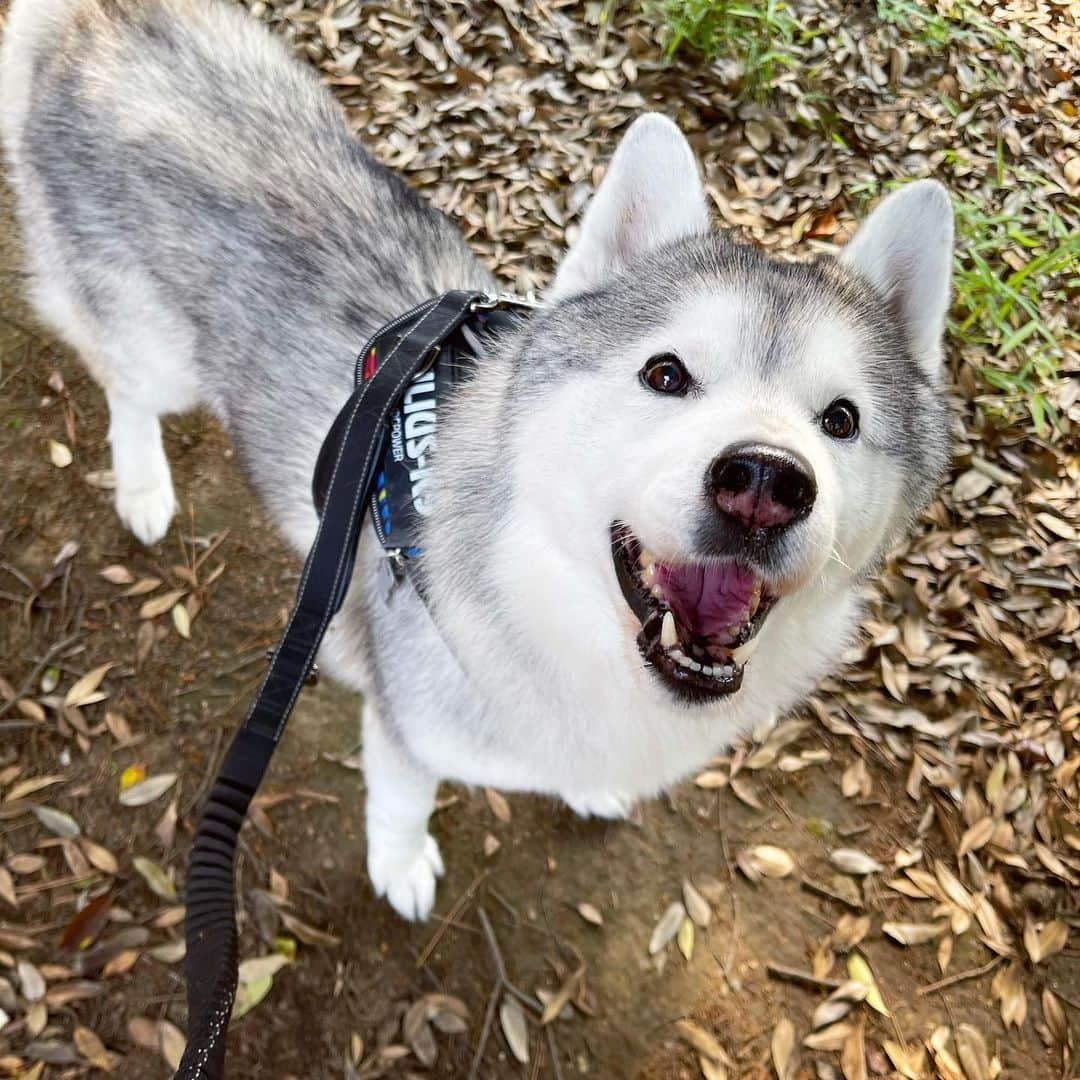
x: 402, y: 856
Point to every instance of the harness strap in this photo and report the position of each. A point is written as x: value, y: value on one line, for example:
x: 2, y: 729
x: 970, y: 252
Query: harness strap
x: 351, y: 453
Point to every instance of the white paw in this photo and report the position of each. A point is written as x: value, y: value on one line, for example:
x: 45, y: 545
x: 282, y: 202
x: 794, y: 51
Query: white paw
x: 602, y: 804
x: 406, y: 877
x: 147, y: 511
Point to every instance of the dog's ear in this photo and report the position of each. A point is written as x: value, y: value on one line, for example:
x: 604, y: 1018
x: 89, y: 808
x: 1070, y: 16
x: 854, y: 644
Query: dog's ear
x: 651, y: 194
x: 904, y: 248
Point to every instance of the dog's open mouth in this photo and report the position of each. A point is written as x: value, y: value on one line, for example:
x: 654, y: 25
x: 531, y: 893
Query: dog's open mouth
x: 698, y: 619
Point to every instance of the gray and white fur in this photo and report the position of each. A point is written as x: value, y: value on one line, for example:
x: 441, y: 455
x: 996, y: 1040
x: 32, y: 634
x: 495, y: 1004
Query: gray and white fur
x: 202, y: 228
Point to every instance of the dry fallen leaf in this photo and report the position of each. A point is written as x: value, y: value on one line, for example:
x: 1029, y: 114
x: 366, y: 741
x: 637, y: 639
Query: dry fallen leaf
x: 765, y: 861
x: 60, y: 454
x: 859, y: 970
x: 117, y: 575
x: 160, y: 604
x: 83, y: 928
x: 972, y: 1053
x: 697, y: 907
x: 146, y: 791
x: 91, y: 1047
x: 853, y: 861
x: 182, y: 621
x: 156, y: 878
x: 85, y: 688
x: 839, y: 1003
x: 30, y: 980
x: 31, y: 786
x: 515, y: 1028
x: 7, y: 888
x: 498, y: 804
x: 782, y: 1048
x: 913, y: 933
x: 99, y: 856
x: 1042, y: 942
x: 705, y: 1044
x: 56, y: 821
x: 853, y: 1054
x: 1008, y: 989
x: 171, y: 1043
x: 685, y: 939
x: 667, y: 927
x: 590, y: 913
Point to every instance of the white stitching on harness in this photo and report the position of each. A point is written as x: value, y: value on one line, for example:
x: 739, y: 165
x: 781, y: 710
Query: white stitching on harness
x: 352, y: 517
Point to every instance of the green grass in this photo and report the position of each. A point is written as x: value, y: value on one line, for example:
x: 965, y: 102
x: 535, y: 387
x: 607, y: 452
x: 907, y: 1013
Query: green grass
x: 760, y: 37
x: 1003, y: 311
x: 757, y: 36
x: 961, y: 24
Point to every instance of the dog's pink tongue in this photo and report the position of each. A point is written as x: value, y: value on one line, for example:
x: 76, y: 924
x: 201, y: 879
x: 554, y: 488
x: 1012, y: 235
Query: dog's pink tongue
x: 707, y: 599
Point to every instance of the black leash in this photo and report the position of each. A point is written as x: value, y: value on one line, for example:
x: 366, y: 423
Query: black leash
x: 346, y: 474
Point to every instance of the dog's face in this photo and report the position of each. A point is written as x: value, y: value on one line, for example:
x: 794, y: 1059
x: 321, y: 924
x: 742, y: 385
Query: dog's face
x: 710, y: 444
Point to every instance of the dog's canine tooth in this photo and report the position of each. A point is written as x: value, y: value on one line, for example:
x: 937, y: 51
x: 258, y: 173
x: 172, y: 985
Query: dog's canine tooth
x: 668, y: 634
x: 648, y: 575
x: 755, y: 596
x: 646, y: 559
x: 744, y: 652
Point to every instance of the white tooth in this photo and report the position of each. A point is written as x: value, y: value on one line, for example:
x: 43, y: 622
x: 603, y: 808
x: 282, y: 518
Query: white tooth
x: 648, y: 575
x: 744, y: 652
x: 657, y: 592
x: 668, y: 635
x: 678, y: 656
x: 694, y: 665
x: 707, y: 670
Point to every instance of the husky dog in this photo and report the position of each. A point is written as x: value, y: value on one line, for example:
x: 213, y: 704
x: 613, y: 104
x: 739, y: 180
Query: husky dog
x: 654, y: 503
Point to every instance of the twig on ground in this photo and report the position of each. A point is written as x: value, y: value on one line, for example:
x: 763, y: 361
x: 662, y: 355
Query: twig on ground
x: 961, y: 976
x: 485, y: 1030
x: 39, y: 667
x: 788, y: 974
x: 502, y: 983
x: 208, y: 775
x: 455, y: 910
x: 823, y: 890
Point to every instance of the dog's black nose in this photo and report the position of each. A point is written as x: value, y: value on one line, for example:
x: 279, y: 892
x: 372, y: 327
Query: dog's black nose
x: 762, y: 487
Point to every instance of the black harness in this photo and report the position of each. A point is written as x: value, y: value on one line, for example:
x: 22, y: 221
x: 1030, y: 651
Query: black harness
x: 376, y: 457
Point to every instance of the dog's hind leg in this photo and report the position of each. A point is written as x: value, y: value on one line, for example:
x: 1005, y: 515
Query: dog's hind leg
x: 138, y: 349
x: 402, y: 856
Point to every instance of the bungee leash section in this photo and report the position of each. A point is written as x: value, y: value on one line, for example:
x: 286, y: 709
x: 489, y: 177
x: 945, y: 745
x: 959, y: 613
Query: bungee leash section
x: 346, y: 485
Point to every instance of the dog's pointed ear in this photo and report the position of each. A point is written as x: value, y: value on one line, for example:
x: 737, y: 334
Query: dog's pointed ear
x: 905, y: 249
x: 651, y: 194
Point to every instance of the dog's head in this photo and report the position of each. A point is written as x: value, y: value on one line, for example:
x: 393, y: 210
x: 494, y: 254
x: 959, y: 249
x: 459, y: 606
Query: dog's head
x: 708, y: 443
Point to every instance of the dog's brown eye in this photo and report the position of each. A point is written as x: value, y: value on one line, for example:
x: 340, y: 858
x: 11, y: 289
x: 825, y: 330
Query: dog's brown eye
x: 666, y: 375
x: 840, y: 420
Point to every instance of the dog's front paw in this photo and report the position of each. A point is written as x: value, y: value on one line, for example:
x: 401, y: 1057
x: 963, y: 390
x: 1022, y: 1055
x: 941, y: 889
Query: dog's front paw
x: 406, y: 876
x: 147, y: 511
x: 601, y: 804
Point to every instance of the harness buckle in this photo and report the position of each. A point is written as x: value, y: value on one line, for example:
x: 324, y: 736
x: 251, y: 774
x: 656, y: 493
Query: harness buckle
x: 491, y: 301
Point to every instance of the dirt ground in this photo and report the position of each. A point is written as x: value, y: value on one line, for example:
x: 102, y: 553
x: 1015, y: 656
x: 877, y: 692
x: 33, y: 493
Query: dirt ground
x: 569, y: 903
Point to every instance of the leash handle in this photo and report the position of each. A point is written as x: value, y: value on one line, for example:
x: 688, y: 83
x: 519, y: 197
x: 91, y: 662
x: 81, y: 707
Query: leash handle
x: 354, y: 446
